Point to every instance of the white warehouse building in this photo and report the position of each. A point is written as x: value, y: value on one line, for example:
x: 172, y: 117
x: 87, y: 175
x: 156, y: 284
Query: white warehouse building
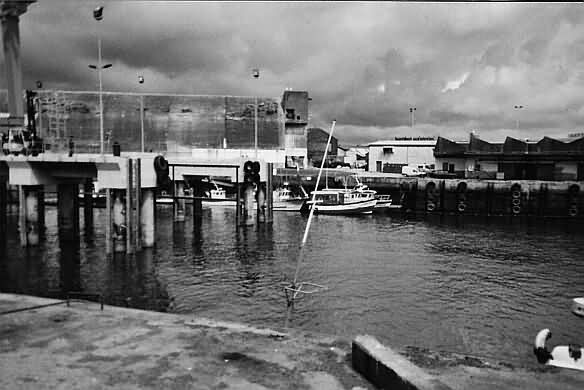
x: 391, y: 156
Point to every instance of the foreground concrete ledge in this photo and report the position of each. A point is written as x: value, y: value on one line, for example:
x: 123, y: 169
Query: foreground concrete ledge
x: 387, y: 369
x: 80, y: 346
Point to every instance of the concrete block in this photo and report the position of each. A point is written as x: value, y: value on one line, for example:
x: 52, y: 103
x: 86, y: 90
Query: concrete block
x: 387, y: 369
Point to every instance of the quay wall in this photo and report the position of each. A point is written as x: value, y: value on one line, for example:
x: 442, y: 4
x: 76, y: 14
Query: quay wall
x: 459, y: 196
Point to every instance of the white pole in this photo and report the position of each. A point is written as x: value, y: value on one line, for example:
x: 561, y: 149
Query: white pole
x: 100, y: 95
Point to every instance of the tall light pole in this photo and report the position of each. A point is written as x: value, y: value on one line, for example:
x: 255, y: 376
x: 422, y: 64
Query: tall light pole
x: 517, y: 116
x: 141, y: 81
x: 98, y: 15
x: 412, y: 116
x: 256, y: 74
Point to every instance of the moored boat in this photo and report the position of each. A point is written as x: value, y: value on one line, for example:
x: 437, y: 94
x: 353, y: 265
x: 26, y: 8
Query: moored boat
x: 358, y: 200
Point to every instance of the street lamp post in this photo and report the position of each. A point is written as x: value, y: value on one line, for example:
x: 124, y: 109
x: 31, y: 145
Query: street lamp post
x: 256, y: 74
x: 141, y: 81
x: 517, y: 116
x: 98, y: 15
x: 412, y: 116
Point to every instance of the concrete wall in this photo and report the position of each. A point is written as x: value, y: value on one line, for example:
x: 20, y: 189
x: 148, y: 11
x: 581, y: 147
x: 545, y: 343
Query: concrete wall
x: 183, y: 120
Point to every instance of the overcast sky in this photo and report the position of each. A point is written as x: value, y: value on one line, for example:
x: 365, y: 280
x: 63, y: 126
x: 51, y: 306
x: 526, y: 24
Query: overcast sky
x: 463, y: 66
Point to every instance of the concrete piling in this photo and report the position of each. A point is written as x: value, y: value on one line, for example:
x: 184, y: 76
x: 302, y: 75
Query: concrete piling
x: 197, y: 201
x: 179, y: 204
x: 129, y: 208
x: 88, y: 203
x: 261, y: 204
x: 108, y: 222
x: 248, y: 195
x: 147, y: 216
x: 119, y: 221
x: 138, y: 201
x: 269, y: 192
x: 3, y: 201
x: 32, y: 219
x: 68, y: 211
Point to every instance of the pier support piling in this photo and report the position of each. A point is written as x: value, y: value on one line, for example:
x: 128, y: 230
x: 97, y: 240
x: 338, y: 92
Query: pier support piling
x: 247, y: 218
x: 88, y: 203
x: 129, y: 208
x: 179, y: 204
x: 119, y: 221
x: 147, y: 215
x: 261, y: 204
x: 68, y: 211
x: 108, y: 221
x: 138, y: 202
x: 197, y: 201
x: 269, y: 193
x: 32, y: 217
x: 3, y: 210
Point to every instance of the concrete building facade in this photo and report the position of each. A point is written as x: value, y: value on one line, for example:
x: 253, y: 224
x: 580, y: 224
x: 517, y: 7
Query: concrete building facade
x: 317, y: 141
x: 295, y: 108
x: 391, y: 156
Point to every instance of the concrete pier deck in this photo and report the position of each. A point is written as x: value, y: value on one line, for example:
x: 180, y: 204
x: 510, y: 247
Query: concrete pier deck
x: 82, y: 347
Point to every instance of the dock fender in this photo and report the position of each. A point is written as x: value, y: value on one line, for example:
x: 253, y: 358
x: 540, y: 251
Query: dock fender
x: 539, y: 349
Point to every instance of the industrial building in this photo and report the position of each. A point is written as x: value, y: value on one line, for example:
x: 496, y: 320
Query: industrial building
x: 391, y: 156
x: 546, y: 159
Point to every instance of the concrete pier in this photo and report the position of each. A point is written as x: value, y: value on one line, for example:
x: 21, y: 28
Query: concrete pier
x: 147, y: 218
x: 81, y: 346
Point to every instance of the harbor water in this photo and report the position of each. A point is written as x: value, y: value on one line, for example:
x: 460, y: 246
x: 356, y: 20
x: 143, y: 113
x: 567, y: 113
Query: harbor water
x: 477, y: 286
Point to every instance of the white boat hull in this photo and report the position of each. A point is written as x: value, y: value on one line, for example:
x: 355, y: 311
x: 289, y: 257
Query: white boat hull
x: 365, y: 207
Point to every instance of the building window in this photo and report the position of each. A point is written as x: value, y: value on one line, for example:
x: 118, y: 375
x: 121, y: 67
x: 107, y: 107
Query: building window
x: 378, y: 166
x: 450, y: 168
x: 387, y: 150
x: 290, y: 114
x: 445, y: 167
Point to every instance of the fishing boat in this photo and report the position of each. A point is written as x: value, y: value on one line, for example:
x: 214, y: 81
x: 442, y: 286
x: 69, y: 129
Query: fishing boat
x: 357, y: 200
x: 217, y: 196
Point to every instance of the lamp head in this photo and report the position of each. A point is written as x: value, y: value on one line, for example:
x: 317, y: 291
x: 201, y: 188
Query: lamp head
x: 98, y: 13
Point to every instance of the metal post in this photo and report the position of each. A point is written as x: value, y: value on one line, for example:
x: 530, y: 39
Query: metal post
x: 100, y: 95
x: 142, y: 123
x: 108, y: 225
x: 129, y: 208
x: 138, y: 185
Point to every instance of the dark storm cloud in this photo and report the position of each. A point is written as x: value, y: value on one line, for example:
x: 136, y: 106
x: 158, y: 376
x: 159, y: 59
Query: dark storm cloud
x: 463, y: 66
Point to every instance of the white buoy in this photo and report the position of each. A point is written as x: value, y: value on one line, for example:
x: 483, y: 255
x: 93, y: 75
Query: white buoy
x: 578, y: 306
